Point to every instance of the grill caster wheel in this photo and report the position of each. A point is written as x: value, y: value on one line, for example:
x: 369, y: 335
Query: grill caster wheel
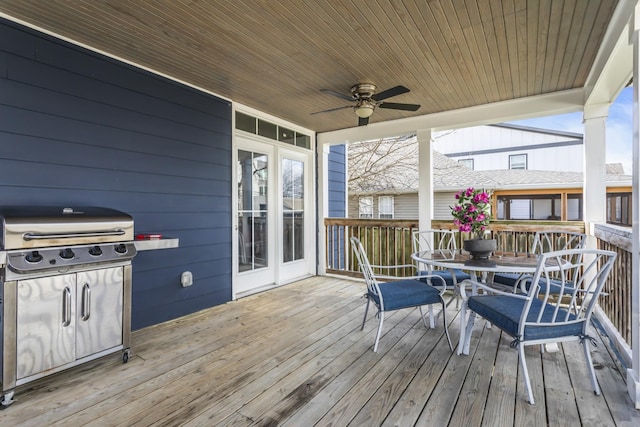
x: 7, y: 399
x: 125, y: 356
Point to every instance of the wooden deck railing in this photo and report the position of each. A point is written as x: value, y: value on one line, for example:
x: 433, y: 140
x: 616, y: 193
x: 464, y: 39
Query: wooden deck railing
x: 616, y: 305
x: 388, y: 242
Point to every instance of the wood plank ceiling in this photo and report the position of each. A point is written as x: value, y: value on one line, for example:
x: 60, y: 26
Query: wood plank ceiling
x: 275, y: 56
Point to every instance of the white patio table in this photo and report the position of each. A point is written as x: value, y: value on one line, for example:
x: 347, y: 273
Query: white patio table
x: 459, y: 260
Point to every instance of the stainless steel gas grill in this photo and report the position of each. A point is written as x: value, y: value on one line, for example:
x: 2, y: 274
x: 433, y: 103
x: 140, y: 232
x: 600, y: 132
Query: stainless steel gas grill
x: 65, y: 289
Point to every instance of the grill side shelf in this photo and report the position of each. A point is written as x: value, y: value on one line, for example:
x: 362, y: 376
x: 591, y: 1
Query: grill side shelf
x: 153, y: 244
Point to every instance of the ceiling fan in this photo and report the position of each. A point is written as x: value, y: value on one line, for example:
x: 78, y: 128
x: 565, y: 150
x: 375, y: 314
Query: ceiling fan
x: 367, y: 99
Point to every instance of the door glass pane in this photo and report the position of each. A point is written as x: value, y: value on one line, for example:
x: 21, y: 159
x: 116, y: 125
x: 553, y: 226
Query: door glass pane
x: 292, y: 210
x: 252, y: 210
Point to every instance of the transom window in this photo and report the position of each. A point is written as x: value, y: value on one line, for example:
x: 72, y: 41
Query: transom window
x: 272, y: 131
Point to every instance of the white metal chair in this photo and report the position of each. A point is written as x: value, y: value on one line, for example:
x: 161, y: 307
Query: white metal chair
x: 429, y: 240
x: 397, y: 294
x: 445, y: 240
x: 538, y: 317
x: 543, y: 241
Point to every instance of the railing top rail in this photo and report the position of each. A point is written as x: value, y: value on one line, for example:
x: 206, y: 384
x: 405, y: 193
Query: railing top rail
x: 405, y: 223
x: 496, y: 225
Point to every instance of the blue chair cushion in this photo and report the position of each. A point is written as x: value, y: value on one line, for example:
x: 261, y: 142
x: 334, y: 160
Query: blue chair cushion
x: 555, y: 286
x: 447, y: 276
x: 406, y: 293
x: 505, y: 312
x: 509, y: 279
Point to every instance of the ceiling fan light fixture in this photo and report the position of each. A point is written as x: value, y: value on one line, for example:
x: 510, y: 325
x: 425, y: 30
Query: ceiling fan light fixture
x: 363, y: 110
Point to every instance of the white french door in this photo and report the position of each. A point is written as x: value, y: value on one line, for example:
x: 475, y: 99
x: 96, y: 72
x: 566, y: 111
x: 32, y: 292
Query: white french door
x: 273, y: 229
x: 295, y: 215
x: 255, y: 215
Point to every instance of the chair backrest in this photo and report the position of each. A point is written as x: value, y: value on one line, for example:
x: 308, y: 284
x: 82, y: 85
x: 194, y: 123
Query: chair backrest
x: 427, y: 240
x: 365, y: 266
x: 555, y: 240
x: 580, y: 274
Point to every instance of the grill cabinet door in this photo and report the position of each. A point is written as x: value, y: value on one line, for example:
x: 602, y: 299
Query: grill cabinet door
x: 46, y: 324
x: 99, y: 310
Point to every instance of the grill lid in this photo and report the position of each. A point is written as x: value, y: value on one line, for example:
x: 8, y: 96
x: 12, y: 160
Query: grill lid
x: 43, y: 226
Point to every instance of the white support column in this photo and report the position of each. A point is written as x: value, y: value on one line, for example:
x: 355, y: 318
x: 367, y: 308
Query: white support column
x: 633, y: 373
x: 425, y: 179
x: 595, y: 151
x: 323, y: 205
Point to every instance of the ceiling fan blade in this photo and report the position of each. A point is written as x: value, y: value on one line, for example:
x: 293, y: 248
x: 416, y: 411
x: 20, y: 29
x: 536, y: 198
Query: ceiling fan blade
x: 363, y: 121
x: 397, y: 106
x: 338, y: 94
x: 398, y: 90
x: 332, y: 109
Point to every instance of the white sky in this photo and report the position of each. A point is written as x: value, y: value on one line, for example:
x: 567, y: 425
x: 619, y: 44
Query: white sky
x: 619, y: 128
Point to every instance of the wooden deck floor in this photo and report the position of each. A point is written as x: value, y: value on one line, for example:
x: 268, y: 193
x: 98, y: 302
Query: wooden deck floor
x: 295, y: 356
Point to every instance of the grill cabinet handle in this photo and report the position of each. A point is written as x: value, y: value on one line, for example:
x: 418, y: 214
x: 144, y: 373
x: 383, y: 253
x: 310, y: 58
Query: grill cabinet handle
x: 86, y: 301
x: 39, y: 236
x: 66, y: 307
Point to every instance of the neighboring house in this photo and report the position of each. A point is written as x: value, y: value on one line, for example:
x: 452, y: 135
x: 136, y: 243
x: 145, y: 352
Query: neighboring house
x: 518, y: 193
x: 504, y: 146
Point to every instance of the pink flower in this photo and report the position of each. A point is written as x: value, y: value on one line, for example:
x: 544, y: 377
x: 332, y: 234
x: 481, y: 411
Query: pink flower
x: 471, y: 211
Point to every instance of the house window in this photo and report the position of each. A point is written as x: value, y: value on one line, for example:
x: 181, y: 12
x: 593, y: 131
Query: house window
x: 518, y: 161
x: 619, y: 208
x: 544, y: 207
x: 366, y: 207
x: 385, y: 207
x: 466, y: 162
x: 574, y: 207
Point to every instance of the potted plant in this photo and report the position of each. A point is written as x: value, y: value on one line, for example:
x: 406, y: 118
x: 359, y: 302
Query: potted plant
x: 472, y: 214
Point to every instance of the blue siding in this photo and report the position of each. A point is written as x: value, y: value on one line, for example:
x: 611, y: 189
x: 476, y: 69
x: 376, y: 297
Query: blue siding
x: 77, y: 128
x: 337, y: 193
x: 337, y: 181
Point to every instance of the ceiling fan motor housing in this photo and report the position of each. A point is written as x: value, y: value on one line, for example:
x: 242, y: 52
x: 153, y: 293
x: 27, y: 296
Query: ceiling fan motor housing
x: 363, y: 91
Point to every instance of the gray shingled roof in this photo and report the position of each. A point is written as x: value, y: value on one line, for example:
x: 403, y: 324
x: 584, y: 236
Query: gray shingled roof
x: 449, y: 175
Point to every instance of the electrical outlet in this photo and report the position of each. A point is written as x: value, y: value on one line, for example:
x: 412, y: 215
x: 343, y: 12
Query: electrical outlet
x: 186, y: 279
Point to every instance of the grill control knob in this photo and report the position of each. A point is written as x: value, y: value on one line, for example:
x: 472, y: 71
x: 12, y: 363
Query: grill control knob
x: 66, y: 253
x: 121, y: 248
x: 95, y: 251
x: 34, y: 256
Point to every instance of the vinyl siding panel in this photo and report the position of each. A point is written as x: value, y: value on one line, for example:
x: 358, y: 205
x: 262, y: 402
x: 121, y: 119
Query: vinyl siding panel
x: 491, y: 146
x: 337, y: 181
x: 77, y: 128
x: 353, y: 207
x: 405, y: 206
x: 442, y: 203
